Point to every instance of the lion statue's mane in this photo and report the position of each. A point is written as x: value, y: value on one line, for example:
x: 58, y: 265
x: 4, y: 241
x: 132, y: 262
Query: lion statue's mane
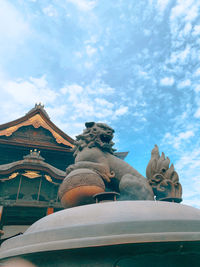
x: 95, y: 135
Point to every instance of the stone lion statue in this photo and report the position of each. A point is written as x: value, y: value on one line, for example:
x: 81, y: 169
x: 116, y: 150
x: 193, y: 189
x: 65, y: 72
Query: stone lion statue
x: 94, y: 150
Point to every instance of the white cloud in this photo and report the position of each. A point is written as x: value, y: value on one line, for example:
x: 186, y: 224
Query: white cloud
x: 90, y: 102
x: 90, y: 50
x: 121, y: 111
x: 167, y: 81
x: 13, y: 28
x: 177, y: 140
x: 83, y: 5
x: 185, y: 135
x: 197, y: 113
x: 197, y: 72
x: 147, y: 32
x: 143, y: 74
x: 184, y: 83
x: 56, y: 112
x: 162, y: 4
x: 185, y: 9
x: 88, y: 64
x: 21, y: 95
x: 29, y: 92
x: 182, y: 18
x: 72, y: 90
x: 70, y: 127
x: 50, y: 11
x: 78, y: 54
x: 188, y: 168
x: 98, y: 87
x: 192, y: 13
x: 180, y: 55
x: 103, y: 102
x: 187, y: 29
x: 79, y: 102
x: 197, y: 88
x: 39, y: 82
x: 196, y: 30
x: 93, y: 40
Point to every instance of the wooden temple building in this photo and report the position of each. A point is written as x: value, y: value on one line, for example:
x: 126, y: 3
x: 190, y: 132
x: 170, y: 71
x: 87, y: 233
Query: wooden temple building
x: 34, y: 154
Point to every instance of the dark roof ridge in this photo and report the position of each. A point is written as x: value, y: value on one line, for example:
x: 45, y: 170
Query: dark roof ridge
x: 39, y: 106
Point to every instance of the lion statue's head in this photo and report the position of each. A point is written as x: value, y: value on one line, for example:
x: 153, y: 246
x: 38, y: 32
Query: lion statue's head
x: 95, y: 135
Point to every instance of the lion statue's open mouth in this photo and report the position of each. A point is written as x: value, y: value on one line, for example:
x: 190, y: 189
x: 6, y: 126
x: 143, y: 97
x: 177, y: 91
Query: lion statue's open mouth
x: 105, y: 138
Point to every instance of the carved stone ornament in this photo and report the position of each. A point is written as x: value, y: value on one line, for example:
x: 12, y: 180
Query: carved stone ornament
x: 163, y: 179
x: 79, y: 187
x: 94, y: 151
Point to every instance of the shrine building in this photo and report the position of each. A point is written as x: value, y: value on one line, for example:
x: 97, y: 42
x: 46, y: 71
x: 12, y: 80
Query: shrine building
x: 34, y: 154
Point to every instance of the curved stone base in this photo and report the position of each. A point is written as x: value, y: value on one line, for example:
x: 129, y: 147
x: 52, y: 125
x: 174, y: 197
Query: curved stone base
x: 132, y: 233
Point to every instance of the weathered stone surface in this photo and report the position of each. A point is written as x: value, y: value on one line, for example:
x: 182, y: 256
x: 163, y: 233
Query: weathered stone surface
x: 107, y: 224
x: 94, y: 150
x: 163, y: 180
x: 79, y: 187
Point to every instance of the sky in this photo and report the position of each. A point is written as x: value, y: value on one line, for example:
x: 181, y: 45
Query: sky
x: 134, y: 65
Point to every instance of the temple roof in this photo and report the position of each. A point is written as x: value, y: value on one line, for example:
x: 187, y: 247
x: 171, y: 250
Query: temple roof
x: 31, y: 163
x: 37, y: 117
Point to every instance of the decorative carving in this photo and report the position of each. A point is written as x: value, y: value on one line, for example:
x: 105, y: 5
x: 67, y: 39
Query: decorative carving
x: 94, y: 150
x: 36, y: 121
x: 13, y: 175
x: 31, y: 174
x: 49, y: 179
x: 79, y: 178
x: 79, y: 187
x: 32, y: 163
x: 163, y: 180
x: 34, y: 154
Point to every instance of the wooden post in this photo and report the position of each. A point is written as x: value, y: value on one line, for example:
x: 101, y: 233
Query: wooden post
x: 50, y: 210
x: 38, y: 196
x: 19, y: 187
x: 1, y: 211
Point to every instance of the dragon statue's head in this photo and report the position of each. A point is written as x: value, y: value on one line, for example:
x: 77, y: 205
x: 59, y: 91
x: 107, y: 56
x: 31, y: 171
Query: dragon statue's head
x: 95, y: 135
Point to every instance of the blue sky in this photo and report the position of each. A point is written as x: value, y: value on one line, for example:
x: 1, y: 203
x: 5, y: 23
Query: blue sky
x: 132, y: 64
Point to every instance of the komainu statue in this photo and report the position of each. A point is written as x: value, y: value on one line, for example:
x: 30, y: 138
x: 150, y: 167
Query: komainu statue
x: 94, y: 151
x: 164, y: 180
x: 97, y: 170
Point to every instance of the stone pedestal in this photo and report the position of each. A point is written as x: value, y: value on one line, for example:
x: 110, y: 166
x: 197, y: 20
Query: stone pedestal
x: 124, y: 233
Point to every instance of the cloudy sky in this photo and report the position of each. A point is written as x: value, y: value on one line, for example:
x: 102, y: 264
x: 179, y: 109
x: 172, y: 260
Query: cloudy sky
x: 132, y: 64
